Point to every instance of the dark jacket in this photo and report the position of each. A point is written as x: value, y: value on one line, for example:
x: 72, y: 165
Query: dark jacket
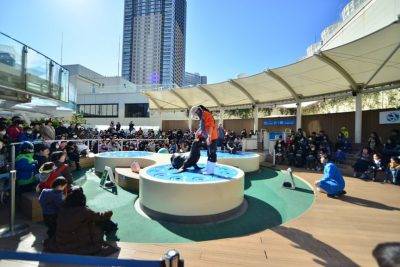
x: 40, y: 161
x: 50, y: 200
x: 77, y: 232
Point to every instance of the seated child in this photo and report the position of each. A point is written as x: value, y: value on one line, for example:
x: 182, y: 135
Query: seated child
x: 291, y: 155
x: 231, y: 146
x: 340, y: 156
x: 51, y: 200
x: 393, y: 172
x: 299, y: 158
x: 311, y: 158
x: 362, y: 163
x: 376, y: 166
x: 44, y: 172
x: 48, y: 174
x: 279, y: 150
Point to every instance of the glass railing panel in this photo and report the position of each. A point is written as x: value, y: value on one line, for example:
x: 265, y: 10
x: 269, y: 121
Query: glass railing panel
x: 37, y: 73
x: 64, y: 94
x: 11, y: 63
x: 56, y: 81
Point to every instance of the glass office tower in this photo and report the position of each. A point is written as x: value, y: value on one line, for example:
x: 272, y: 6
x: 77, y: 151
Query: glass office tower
x: 154, y: 41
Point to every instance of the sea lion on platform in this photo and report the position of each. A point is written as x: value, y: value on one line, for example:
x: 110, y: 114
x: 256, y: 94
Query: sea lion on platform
x: 183, y: 161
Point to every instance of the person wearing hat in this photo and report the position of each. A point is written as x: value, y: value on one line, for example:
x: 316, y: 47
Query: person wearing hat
x: 25, y: 166
x: 59, y: 160
x: 44, y: 173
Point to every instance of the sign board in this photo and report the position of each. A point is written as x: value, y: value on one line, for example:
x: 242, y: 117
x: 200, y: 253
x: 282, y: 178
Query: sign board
x: 389, y: 117
x: 280, y: 122
x: 275, y: 135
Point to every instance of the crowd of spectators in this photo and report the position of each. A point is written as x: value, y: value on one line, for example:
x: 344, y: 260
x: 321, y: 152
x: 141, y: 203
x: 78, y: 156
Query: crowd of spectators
x: 376, y: 158
x: 63, y: 144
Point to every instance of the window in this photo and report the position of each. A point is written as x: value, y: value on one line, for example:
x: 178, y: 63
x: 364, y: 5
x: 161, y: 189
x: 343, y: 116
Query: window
x: 137, y: 110
x: 98, y: 110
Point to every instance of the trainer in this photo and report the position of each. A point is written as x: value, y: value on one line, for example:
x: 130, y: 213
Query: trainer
x: 332, y: 183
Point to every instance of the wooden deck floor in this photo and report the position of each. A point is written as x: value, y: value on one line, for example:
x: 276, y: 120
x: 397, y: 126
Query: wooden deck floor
x: 333, y: 232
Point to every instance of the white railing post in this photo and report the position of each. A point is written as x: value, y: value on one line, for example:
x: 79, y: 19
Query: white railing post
x: 13, y: 229
x: 12, y: 157
x: 171, y: 258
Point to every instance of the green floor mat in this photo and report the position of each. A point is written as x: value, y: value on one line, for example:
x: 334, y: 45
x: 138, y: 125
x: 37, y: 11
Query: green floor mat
x: 268, y: 205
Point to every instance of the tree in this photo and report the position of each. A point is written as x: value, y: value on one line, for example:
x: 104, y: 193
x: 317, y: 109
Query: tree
x: 77, y: 119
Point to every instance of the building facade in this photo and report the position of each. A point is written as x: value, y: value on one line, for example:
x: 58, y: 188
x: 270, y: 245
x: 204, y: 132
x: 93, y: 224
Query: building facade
x: 104, y: 99
x: 192, y: 79
x: 153, y: 49
x: 357, y: 19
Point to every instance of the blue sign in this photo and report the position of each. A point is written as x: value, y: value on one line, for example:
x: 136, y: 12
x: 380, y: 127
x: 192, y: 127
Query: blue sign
x: 280, y: 122
x: 275, y: 135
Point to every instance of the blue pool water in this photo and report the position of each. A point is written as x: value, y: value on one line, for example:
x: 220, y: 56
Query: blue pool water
x: 124, y: 154
x: 164, y: 172
x: 239, y: 154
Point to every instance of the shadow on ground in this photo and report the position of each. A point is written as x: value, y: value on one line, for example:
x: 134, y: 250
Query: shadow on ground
x: 327, y: 255
x: 366, y: 203
x: 259, y: 216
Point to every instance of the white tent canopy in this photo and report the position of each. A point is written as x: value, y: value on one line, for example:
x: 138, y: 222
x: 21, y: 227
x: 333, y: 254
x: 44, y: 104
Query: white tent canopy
x: 370, y: 62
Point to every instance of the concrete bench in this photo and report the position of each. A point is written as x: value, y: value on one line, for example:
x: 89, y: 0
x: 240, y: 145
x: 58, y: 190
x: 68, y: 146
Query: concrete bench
x: 86, y: 162
x: 127, y: 179
x: 29, y: 205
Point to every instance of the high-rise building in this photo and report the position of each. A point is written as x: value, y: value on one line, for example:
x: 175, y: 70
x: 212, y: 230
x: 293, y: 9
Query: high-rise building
x: 154, y: 41
x: 194, y: 79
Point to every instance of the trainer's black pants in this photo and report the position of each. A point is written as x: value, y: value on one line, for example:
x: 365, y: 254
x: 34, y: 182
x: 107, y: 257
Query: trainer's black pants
x: 212, y: 151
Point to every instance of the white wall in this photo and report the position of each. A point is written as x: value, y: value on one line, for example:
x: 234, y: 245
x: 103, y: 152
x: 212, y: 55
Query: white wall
x: 112, y: 93
x: 374, y: 16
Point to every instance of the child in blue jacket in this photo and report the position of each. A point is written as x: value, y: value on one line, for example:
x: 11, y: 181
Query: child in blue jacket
x: 51, y: 200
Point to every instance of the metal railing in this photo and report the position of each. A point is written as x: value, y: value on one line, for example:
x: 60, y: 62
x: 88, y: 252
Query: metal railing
x: 13, y: 229
x: 23, y: 69
x: 170, y: 259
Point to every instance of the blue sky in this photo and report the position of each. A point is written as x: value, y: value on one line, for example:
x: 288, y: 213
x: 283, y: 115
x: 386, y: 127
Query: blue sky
x: 223, y: 37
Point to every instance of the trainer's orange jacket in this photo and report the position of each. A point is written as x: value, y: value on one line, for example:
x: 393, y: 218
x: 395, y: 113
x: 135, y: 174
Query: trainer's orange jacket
x: 209, y: 125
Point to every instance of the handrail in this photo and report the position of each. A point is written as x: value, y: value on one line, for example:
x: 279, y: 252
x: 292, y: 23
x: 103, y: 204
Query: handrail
x: 78, y: 259
x: 90, y: 139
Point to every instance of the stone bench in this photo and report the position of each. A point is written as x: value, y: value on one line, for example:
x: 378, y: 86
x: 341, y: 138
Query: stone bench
x: 86, y: 162
x: 29, y: 205
x: 127, y: 179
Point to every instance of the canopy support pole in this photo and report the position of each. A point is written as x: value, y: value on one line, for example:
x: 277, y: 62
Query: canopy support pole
x: 255, y: 115
x: 221, y: 116
x: 298, y: 115
x: 358, y: 119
